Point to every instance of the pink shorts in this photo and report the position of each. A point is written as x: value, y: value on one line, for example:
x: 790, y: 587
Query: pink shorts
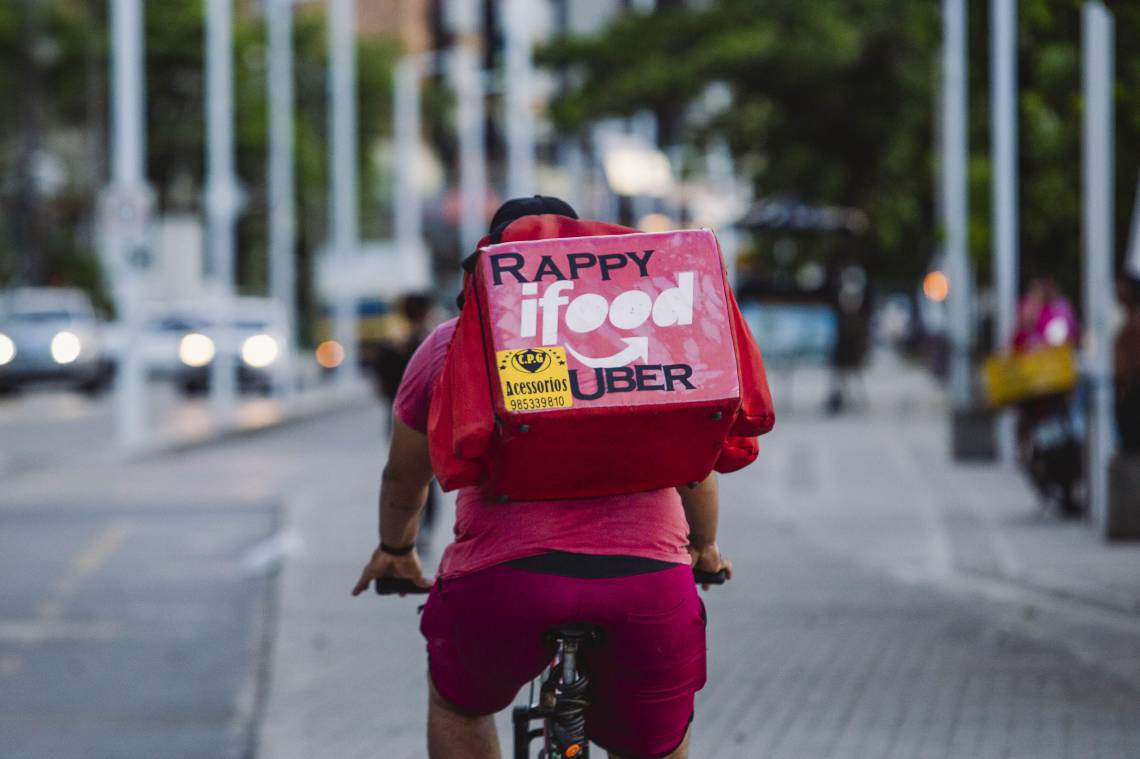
x: 484, y: 640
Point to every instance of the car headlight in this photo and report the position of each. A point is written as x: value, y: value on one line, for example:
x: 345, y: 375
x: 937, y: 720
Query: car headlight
x: 196, y: 350
x: 7, y: 349
x: 65, y: 347
x: 259, y: 351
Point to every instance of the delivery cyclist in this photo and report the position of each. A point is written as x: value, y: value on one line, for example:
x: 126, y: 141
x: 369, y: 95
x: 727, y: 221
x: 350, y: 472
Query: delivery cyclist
x: 516, y: 570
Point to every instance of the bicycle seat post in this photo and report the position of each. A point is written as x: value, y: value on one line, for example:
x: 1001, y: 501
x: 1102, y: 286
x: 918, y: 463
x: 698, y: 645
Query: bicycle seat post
x: 569, y: 651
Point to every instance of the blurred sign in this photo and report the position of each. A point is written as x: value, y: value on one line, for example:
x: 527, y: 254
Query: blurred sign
x: 1013, y: 378
x: 792, y: 332
x: 124, y: 213
x: 139, y: 258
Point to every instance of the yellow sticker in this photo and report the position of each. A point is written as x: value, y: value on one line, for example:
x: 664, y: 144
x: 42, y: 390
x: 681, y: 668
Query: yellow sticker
x: 534, y: 379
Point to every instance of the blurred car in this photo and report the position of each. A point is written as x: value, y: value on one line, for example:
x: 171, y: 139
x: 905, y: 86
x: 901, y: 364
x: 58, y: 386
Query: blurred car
x: 51, y: 334
x: 163, y: 334
x: 254, y: 337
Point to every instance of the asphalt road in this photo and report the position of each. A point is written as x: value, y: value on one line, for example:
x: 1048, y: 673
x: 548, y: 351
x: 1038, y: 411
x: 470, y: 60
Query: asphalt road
x: 135, y: 600
x: 129, y: 632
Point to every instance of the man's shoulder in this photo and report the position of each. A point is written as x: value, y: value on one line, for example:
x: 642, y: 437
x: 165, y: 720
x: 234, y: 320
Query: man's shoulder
x: 434, y: 346
x: 440, y: 337
x: 442, y: 332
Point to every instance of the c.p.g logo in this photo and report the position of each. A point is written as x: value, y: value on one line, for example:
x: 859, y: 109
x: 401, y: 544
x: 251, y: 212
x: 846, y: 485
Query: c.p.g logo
x: 533, y: 360
x: 534, y: 379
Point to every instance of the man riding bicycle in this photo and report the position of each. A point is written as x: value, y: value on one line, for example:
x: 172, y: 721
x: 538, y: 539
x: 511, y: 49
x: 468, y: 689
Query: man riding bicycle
x: 623, y: 563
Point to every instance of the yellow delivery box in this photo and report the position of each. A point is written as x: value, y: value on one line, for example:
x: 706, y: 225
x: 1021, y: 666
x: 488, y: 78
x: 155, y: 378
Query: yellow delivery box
x: 1010, y: 378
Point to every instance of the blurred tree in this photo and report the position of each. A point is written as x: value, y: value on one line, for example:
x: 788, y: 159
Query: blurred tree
x: 70, y: 62
x: 44, y: 86
x: 1050, y: 132
x: 834, y: 102
x: 177, y: 130
x: 831, y: 101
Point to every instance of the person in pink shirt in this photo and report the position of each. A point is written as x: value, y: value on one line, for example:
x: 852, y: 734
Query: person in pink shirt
x: 1045, y: 318
x: 516, y: 570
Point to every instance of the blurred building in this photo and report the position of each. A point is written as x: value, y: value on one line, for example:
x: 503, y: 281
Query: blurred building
x: 406, y: 20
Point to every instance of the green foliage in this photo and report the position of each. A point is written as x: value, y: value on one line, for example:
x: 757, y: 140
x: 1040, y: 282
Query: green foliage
x: 75, y: 98
x: 175, y: 92
x: 831, y: 101
x: 834, y: 102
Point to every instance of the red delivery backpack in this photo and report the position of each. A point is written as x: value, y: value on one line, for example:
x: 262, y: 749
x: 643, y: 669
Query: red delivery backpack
x: 590, y: 359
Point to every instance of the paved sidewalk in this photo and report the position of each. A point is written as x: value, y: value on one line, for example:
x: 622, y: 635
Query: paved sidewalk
x: 883, y: 473
x: 888, y: 604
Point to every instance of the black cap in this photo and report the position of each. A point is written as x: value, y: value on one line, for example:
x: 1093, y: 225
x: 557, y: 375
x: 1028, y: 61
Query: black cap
x: 516, y: 208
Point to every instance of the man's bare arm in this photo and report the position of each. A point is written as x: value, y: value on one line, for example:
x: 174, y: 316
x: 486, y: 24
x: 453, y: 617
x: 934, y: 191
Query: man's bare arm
x: 404, y: 485
x: 702, y: 512
x: 403, y: 493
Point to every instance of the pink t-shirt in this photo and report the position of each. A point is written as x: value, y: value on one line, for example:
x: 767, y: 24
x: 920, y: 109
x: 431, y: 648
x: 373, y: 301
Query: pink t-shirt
x: 650, y: 525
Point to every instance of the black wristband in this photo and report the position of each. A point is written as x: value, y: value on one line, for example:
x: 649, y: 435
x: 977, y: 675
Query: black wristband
x: 397, y: 551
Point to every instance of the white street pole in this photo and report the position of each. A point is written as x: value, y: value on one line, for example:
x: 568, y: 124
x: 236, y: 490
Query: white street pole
x: 128, y: 200
x: 344, y: 194
x: 467, y: 79
x: 282, y: 200
x: 1097, y: 69
x: 517, y: 25
x: 128, y: 71
x: 406, y: 114
x: 1003, y: 67
x: 955, y: 206
x: 221, y: 196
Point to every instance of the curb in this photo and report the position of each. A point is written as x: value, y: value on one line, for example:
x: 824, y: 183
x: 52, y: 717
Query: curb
x: 258, y: 417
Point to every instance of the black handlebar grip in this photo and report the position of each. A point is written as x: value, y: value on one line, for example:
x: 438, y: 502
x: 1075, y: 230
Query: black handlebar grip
x: 390, y: 586
x: 709, y: 578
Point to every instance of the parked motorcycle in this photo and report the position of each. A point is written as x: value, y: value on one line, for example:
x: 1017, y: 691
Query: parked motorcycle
x: 1051, y: 436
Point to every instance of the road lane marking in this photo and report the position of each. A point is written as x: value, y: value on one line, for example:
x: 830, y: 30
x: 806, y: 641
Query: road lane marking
x: 33, y: 631
x: 48, y: 623
x: 93, y: 557
x: 101, y: 549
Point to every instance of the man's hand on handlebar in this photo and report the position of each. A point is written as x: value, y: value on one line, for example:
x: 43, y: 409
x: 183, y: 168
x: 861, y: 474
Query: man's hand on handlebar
x: 708, y: 559
x: 386, y: 565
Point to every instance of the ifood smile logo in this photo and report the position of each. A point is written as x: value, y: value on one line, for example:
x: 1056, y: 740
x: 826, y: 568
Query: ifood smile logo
x: 531, y: 361
x: 589, y: 311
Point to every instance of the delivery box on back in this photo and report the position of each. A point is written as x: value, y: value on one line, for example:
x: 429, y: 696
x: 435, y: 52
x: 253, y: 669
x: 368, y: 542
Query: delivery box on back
x: 608, y: 363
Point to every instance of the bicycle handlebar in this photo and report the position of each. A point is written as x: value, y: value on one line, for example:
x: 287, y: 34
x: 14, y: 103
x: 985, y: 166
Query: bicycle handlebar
x: 390, y: 586
x: 709, y: 578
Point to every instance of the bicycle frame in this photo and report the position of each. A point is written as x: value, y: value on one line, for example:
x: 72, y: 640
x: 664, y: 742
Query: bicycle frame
x: 561, y: 703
